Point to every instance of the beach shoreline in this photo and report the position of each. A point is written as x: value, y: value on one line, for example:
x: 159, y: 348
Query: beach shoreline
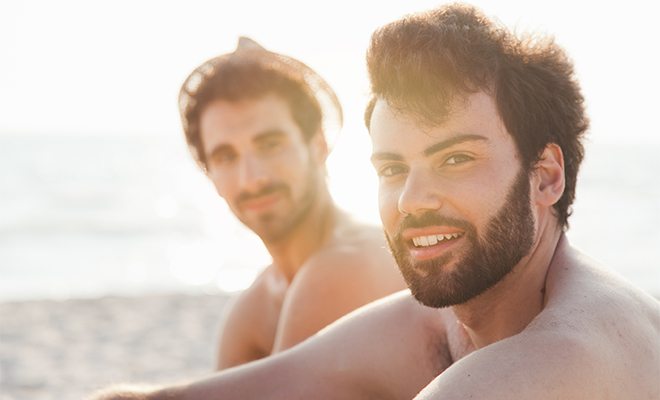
x: 66, y: 349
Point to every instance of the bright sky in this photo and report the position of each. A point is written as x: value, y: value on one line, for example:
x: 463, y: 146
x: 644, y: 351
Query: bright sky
x: 89, y: 67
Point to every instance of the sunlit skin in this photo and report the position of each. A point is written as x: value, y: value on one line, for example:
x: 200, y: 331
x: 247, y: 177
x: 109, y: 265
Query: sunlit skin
x: 324, y: 264
x: 558, y: 326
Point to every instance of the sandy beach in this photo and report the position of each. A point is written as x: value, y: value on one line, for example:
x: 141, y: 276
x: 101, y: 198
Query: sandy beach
x: 67, y: 349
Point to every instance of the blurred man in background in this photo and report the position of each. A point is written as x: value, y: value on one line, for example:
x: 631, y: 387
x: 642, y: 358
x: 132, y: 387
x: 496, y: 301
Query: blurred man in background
x: 257, y: 124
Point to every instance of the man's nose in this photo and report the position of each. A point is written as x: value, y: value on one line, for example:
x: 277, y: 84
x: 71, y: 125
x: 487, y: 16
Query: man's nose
x: 254, y: 174
x: 419, y: 194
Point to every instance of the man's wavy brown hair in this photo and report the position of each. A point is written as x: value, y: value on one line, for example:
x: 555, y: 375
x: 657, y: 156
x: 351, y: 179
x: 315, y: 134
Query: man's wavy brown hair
x: 422, y: 62
x: 249, y: 73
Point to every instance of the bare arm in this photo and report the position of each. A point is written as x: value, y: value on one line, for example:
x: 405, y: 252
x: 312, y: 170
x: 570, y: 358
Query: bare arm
x: 297, y: 373
x: 347, y: 360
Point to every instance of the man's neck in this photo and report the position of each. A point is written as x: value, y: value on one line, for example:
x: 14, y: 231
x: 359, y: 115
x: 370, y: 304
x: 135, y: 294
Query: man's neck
x: 290, y: 253
x: 509, y: 306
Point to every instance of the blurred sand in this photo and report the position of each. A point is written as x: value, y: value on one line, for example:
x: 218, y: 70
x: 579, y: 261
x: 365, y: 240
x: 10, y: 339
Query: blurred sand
x: 67, y: 349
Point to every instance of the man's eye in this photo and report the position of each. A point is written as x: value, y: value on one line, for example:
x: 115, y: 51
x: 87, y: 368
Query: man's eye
x: 457, y: 159
x: 392, y: 170
x: 223, y: 158
x: 272, y: 144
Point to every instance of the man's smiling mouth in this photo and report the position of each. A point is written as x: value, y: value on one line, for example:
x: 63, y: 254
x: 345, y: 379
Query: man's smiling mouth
x: 431, y: 240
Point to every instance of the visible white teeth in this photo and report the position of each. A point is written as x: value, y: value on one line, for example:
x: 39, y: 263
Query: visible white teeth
x: 425, y: 241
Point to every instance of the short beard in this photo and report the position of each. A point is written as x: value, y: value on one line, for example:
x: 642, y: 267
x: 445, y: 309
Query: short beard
x: 489, y: 258
x: 272, y: 228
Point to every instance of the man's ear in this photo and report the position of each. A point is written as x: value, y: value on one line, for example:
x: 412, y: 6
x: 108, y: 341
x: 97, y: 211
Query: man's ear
x: 319, y: 147
x: 549, y: 179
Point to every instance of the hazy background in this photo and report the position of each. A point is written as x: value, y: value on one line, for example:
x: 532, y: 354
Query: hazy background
x: 98, y: 194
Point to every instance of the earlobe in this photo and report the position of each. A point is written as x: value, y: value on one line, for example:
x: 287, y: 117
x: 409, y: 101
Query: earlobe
x: 550, y: 180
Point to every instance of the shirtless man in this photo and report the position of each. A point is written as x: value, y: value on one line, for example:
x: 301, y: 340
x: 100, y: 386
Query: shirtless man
x: 477, y: 142
x: 256, y: 122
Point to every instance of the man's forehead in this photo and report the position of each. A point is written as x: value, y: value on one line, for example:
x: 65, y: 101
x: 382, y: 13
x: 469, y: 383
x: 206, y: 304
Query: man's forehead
x: 394, y: 130
x: 230, y: 117
x: 242, y: 123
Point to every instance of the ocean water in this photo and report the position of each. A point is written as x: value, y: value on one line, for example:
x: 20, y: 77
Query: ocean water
x: 90, y: 216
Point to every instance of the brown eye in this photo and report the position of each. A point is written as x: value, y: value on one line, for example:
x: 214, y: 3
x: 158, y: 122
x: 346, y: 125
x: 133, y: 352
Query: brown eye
x: 392, y: 170
x: 223, y: 158
x: 270, y: 144
x: 457, y: 159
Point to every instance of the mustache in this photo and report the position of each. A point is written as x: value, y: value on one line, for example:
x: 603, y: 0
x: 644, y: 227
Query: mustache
x: 266, y: 190
x: 430, y: 218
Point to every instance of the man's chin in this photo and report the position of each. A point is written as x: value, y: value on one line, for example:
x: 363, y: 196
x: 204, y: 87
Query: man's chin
x: 269, y: 234
x: 439, y: 297
x: 440, y: 283
x: 272, y: 229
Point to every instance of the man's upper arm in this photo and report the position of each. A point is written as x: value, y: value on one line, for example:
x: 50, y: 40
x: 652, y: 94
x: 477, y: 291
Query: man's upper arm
x: 324, y: 291
x: 546, y: 366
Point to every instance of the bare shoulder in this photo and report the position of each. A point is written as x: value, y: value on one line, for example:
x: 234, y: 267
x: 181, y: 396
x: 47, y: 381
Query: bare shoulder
x: 357, y: 251
x: 360, y: 255
x: 614, y: 325
x: 576, y: 284
x: 351, y: 271
x: 597, y: 337
x: 586, y: 299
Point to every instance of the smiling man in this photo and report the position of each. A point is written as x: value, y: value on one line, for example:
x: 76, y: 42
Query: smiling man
x: 256, y: 123
x: 477, y: 143
x: 450, y: 244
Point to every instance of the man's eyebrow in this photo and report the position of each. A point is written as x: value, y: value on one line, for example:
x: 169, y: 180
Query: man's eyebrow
x: 382, y: 156
x: 434, y: 148
x: 221, y: 148
x: 267, y: 134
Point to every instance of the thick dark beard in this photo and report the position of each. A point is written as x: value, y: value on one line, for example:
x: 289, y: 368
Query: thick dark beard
x: 508, y: 238
x: 272, y: 229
